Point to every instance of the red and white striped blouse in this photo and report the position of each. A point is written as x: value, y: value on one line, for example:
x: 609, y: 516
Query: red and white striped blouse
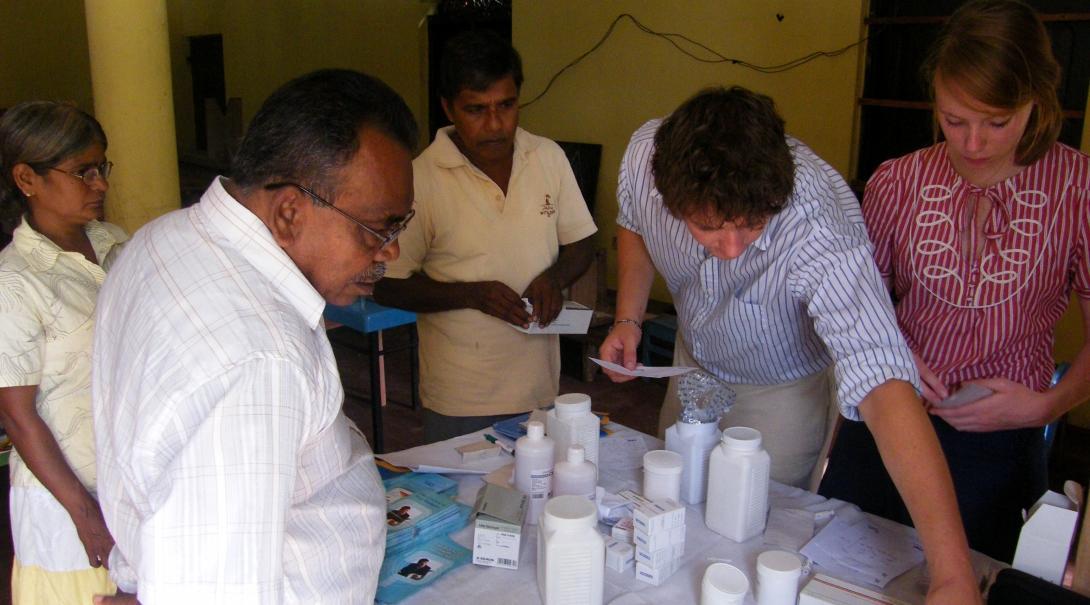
x: 982, y: 302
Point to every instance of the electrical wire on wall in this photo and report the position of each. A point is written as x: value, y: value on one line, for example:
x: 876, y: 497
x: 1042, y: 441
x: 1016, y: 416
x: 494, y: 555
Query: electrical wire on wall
x: 710, y: 56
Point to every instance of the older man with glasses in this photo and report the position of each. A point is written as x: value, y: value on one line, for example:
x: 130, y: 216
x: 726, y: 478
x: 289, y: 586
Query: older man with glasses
x: 227, y: 470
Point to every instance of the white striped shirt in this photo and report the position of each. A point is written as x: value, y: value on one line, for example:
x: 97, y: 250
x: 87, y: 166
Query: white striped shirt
x: 803, y: 296
x: 227, y: 471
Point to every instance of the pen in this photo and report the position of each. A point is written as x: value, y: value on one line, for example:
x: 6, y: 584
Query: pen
x: 503, y: 446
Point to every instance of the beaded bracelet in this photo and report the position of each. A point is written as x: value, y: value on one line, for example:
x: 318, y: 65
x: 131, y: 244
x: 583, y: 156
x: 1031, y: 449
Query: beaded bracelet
x: 627, y: 321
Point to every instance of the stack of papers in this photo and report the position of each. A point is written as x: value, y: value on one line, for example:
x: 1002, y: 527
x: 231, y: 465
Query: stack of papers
x: 862, y: 548
x: 415, y: 515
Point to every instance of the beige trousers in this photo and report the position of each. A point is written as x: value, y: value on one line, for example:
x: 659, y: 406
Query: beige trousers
x: 796, y: 419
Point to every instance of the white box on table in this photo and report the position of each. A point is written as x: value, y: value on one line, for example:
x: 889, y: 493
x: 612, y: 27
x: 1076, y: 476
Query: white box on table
x: 658, y: 516
x: 620, y: 556
x: 656, y: 575
x: 660, y: 539
x: 497, y: 529
x: 623, y: 530
x: 662, y: 557
x: 1046, y: 537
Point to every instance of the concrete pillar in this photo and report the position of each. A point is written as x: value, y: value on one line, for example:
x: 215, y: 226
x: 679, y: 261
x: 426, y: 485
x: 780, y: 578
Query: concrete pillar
x: 129, y: 48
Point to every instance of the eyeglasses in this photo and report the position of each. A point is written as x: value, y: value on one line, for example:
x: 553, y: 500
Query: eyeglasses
x: 385, y: 239
x: 89, y: 175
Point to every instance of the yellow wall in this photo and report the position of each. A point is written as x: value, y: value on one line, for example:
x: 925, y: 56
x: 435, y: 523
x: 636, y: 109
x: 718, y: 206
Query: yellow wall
x: 635, y: 76
x: 631, y: 78
x: 264, y: 47
x: 43, y: 52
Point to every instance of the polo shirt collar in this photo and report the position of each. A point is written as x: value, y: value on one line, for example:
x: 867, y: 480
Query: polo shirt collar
x: 245, y: 233
x: 449, y: 156
x: 42, y: 254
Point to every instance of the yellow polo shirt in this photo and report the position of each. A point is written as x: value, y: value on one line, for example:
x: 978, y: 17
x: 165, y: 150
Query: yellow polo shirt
x: 473, y: 364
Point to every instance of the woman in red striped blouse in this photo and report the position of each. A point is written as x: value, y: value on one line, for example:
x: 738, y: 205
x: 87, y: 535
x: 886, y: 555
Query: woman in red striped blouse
x: 982, y: 238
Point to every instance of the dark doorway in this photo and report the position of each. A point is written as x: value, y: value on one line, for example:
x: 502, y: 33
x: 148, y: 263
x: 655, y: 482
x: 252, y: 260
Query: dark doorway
x: 895, y: 108
x: 206, y: 68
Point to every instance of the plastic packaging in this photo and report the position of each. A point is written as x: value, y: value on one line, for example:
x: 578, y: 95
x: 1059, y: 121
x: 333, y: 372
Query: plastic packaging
x: 575, y: 476
x: 703, y: 397
x: 778, y: 578
x: 571, y: 422
x: 738, y: 470
x: 535, y: 457
x: 723, y: 584
x: 695, y: 443
x: 570, y: 553
x: 662, y: 475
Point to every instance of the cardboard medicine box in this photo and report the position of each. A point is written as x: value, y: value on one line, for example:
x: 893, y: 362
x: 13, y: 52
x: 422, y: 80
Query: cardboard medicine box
x: 497, y: 528
x: 1046, y: 536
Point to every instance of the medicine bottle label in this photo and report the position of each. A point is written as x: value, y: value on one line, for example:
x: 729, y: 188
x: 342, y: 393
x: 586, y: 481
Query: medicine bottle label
x: 541, y: 483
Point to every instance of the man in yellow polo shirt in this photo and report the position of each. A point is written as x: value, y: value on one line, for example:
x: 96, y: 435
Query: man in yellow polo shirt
x: 499, y: 218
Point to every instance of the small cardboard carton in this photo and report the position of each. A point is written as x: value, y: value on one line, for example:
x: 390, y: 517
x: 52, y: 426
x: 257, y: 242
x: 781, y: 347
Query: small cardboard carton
x: 1046, y: 537
x: 574, y: 318
x: 497, y: 529
x: 826, y: 590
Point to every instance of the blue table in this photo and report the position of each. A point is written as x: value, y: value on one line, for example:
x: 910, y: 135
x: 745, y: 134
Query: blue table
x: 370, y: 318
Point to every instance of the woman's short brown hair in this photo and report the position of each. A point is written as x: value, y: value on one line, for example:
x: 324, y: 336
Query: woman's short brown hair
x: 998, y: 52
x: 724, y: 152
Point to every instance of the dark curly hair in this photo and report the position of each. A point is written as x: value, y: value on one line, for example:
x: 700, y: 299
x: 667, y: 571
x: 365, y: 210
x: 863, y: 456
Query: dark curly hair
x: 724, y: 152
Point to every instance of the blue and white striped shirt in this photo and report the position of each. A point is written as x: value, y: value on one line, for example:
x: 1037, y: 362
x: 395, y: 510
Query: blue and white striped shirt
x: 804, y: 295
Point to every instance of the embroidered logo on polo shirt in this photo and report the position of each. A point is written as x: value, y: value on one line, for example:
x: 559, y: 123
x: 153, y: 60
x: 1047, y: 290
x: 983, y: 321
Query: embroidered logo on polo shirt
x: 548, y: 208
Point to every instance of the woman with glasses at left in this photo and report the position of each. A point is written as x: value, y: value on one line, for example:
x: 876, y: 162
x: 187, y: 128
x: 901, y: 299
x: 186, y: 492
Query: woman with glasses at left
x: 53, y: 158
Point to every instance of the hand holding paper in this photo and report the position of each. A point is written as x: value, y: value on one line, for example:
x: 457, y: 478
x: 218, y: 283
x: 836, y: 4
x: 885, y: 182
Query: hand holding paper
x: 643, y: 371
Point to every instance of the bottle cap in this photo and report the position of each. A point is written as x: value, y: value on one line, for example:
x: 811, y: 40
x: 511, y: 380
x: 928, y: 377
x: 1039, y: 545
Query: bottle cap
x: 724, y: 583
x: 535, y: 429
x: 662, y: 461
x: 571, y: 403
x: 576, y: 454
x: 568, y: 512
x: 742, y: 438
x: 778, y: 565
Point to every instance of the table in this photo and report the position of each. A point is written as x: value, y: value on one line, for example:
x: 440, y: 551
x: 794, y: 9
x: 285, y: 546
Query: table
x: 370, y: 318
x: 486, y: 585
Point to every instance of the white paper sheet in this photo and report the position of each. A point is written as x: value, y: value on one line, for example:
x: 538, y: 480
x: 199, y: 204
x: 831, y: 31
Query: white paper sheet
x: 863, y: 548
x: 442, y: 457
x: 643, y: 371
x: 789, y: 528
x: 621, y: 451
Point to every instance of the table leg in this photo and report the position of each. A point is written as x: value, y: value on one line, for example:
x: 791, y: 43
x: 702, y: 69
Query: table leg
x: 414, y: 368
x: 376, y: 397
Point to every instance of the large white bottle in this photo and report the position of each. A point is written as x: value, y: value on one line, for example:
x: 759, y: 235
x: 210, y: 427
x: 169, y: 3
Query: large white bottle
x: 575, y: 476
x: 571, y: 553
x: 534, y: 460
x: 738, y: 470
x: 695, y: 442
x: 571, y: 422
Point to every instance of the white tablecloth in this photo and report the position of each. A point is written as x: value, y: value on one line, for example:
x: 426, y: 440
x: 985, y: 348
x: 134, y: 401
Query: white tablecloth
x: 474, y: 585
